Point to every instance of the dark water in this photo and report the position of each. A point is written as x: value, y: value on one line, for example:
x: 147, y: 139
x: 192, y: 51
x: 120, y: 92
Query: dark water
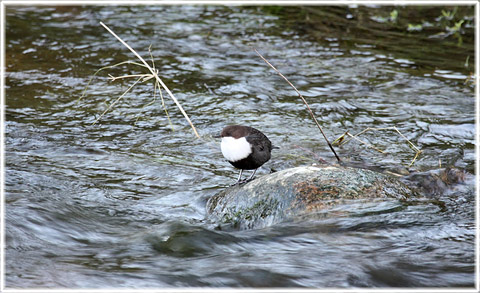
x: 122, y: 203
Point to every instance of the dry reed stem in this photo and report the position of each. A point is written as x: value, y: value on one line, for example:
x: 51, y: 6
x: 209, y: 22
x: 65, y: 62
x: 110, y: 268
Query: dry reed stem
x: 146, y: 77
x: 365, y: 143
x: 341, y: 140
x: 304, y: 101
x: 157, y: 85
x: 103, y: 68
x: 154, y: 73
x: 118, y: 99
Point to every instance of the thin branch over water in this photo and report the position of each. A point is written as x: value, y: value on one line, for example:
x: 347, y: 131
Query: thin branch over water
x: 304, y: 101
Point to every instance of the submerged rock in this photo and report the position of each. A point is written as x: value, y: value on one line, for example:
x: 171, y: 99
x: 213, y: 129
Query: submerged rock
x: 292, y: 193
x: 437, y: 182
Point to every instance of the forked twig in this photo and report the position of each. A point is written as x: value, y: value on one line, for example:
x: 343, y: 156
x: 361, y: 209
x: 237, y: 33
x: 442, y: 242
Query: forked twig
x: 304, y: 101
x: 103, y: 68
x: 341, y: 140
x: 359, y: 140
x: 154, y: 75
x: 118, y: 99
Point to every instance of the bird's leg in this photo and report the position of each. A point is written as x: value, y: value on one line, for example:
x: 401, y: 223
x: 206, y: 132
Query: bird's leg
x: 239, y: 177
x: 251, y: 176
x: 239, y: 181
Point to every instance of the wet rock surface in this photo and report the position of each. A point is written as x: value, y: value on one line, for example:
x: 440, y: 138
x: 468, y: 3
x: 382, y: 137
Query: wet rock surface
x: 299, y: 192
x: 434, y: 183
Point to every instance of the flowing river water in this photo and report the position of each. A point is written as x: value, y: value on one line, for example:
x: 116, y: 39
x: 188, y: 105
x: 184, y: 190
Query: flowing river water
x: 121, y: 204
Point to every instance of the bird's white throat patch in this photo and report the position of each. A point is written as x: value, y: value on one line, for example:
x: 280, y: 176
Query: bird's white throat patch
x: 235, y: 149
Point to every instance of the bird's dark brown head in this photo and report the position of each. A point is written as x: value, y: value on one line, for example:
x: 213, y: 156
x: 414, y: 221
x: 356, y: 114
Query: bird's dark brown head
x: 235, y: 131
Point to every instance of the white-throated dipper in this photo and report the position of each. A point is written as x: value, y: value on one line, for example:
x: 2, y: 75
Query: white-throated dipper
x: 246, y: 148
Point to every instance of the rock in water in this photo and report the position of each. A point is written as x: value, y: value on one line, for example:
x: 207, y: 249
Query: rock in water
x: 293, y: 193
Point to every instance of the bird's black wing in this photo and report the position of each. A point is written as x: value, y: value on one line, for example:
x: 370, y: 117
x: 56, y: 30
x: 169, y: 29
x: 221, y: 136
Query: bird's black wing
x: 259, y: 140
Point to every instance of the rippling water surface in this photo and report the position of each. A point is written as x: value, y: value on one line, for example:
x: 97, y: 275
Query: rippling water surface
x: 122, y: 203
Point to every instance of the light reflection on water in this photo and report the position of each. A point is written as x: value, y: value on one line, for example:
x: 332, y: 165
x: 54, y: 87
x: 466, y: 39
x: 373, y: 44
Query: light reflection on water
x: 122, y: 204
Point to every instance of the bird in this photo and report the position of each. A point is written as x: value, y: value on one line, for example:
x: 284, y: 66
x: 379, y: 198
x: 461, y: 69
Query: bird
x: 246, y: 148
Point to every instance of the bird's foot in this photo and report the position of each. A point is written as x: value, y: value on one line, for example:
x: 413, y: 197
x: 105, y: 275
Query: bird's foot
x: 243, y: 181
x: 240, y: 182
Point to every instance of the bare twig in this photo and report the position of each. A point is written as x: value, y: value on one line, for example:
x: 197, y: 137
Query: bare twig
x: 341, y: 140
x: 103, y: 68
x: 154, y: 73
x: 118, y: 99
x: 145, y: 76
x: 365, y: 143
x: 304, y: 101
